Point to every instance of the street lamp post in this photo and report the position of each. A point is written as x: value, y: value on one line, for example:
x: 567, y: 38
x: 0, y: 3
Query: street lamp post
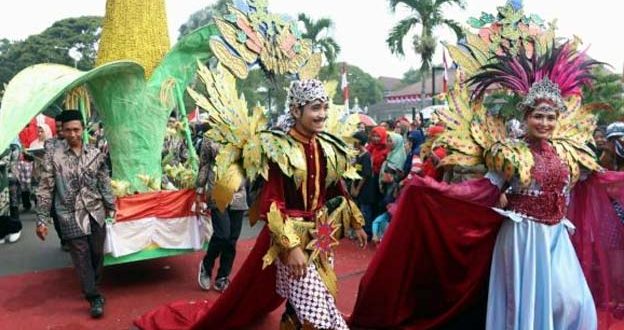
x: 433, y: 76
x: 73, y: 52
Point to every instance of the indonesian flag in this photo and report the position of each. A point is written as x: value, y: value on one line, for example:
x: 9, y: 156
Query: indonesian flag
x: 344, y: 85
x: 445, y: 78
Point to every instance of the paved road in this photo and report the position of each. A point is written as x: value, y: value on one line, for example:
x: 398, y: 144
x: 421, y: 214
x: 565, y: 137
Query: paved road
x: 30, y: 254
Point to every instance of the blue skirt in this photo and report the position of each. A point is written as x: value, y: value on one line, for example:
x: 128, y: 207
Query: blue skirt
x: 536, y: 281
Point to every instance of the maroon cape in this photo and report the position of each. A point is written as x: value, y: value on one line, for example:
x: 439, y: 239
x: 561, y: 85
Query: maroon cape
x: 433, y: 262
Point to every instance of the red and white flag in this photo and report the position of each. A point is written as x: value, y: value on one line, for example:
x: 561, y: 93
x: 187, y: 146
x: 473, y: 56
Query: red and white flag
x: 344, y: 85
x: 193, y: 116
x: 445, y: 78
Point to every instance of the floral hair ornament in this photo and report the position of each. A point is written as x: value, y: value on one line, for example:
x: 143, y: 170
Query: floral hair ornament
x: 559, y: 73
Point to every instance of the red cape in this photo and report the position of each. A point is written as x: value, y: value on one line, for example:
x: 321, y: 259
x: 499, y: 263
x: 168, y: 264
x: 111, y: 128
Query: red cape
x: 250, y: 297
x: 434, y: 260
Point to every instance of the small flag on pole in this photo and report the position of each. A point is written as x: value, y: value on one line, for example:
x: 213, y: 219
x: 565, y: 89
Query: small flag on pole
x: 445, y: 78
x: 193, y: 116
x: 344, y: 85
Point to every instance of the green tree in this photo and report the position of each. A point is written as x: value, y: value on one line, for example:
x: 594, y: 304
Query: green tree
x: 607, y: 88
x: 318, y: 31
x: 52, y: 46
x: 411, y: 76
x: 428, y: 15
x: 203, y: 17
x: 362, y: 86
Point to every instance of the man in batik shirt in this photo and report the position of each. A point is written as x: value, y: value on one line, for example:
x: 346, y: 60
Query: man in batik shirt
x: 75, y: 176
x: 49, y: 145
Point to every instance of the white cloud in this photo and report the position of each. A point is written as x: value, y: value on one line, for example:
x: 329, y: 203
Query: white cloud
x: 361, y: 27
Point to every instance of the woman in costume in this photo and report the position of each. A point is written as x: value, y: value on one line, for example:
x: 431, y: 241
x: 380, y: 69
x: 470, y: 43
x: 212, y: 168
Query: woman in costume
x: 536, y: 281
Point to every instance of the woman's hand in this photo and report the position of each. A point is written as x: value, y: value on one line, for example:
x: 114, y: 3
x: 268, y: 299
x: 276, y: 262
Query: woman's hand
x: 502, y: 201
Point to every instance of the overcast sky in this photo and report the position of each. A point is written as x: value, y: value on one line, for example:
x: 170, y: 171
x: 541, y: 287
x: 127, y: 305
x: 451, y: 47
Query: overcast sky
x: 361, y: 27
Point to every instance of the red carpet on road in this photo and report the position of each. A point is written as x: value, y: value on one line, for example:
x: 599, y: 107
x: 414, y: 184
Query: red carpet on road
x: 52, y: 299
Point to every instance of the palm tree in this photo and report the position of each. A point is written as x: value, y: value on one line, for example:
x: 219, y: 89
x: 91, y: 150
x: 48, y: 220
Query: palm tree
x: 318, y: 31
x: 428, y: 15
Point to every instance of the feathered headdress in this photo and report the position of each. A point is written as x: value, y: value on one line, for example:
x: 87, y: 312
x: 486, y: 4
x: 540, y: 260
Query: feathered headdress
x: 554, y: 76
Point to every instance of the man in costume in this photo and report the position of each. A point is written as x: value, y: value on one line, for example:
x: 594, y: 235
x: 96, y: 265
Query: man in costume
x: 306, y: 208
x: 305, y: 278
x: 75, y: 177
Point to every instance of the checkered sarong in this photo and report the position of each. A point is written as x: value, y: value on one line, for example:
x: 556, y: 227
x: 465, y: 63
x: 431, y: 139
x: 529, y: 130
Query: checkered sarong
x: 25, y: 170
x: 310, y: 298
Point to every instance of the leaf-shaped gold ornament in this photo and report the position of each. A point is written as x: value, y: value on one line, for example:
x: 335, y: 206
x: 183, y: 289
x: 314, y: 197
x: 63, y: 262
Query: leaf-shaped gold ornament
x: 478, y: 47
x: 228, y: 154
x: 226, y: 185
x: 312, y: 67
x: 467, y: 63
x: 461, y: 160
x: 236, y: 64
x: 252, y: 156
x: 229, y: 34
x: 332, y: 166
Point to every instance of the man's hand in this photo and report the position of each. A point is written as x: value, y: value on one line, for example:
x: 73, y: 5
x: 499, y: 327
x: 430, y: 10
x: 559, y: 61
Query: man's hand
x: 42, y: 232
x: 355, y: 192
x: 200, y: 204
x: 296, y: 261
x: 361, y: 236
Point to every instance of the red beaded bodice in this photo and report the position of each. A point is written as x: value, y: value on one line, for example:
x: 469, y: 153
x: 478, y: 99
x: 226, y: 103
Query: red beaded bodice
x: 545, y: 199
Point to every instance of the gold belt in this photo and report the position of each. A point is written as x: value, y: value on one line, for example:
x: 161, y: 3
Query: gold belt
x: 317, y: 239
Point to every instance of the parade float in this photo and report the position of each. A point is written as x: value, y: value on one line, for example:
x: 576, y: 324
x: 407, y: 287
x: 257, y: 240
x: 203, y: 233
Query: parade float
x: 136, y: 84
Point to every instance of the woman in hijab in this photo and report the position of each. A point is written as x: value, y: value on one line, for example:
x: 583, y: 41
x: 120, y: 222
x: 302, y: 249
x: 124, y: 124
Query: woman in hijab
x: 378, y: 149
x: 391, y: 175
x: 43, y: 133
